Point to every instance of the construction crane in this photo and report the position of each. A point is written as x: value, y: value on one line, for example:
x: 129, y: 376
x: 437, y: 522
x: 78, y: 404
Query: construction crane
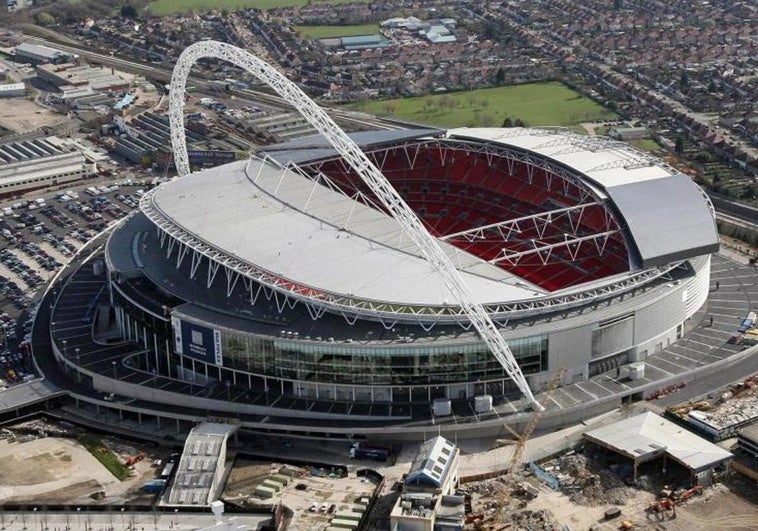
x: 520, y: 439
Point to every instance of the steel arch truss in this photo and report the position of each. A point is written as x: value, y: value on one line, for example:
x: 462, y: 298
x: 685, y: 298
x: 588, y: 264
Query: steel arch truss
x: 362, y: 165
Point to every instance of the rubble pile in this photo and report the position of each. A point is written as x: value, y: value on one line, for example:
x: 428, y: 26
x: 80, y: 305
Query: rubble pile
x: 583, y: 486
x: 572, y: 464
x: 602, y: 489
x: 486, y: 495
x: 540, y: 520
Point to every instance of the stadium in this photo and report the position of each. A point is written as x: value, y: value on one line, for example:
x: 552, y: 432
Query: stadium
x: 281, y: 289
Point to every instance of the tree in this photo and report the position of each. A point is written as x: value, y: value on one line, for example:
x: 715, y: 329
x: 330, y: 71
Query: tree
x: 500, y: 76
x: 508, y: 122
x: 44, y: 19
x: 128, y: 11
x: 684, y: 80
x: 679, y: 145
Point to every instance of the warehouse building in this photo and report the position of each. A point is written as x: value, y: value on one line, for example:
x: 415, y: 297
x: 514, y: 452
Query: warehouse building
x: 648, y: 437
x: 38, y: 54
x: 33, y: 164
x: 72, y: 75
x: 12, y: 90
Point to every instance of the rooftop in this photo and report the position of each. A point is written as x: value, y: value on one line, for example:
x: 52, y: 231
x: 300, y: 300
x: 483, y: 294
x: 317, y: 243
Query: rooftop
x: 293, y: 228
x: 648, y: 436
x: 433, y: 463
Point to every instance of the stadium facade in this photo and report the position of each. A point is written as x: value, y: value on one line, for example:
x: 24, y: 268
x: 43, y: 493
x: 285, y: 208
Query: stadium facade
x: 281, y: 275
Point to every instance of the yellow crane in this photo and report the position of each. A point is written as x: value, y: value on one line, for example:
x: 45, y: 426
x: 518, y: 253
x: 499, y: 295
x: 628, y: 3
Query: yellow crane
x: 520, y: 439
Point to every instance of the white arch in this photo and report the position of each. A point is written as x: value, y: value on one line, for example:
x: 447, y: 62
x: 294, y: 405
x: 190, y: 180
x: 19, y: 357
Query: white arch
x: 370, y: 174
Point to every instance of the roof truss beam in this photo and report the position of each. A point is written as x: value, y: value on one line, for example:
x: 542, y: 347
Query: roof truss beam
x: 504, y: 229
x: 545, y: 251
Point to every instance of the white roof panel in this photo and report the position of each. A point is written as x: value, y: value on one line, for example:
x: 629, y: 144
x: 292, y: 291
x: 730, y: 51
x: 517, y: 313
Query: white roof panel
x: 307, y: 233
x: 648, y: 435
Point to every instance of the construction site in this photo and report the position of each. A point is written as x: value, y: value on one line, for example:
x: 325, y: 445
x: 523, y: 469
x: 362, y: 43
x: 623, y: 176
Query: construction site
x: 722, y: 415
x: 634, y: 469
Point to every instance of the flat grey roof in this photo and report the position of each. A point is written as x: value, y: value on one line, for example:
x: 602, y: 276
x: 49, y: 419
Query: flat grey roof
x: 296, y: 229
x: 39, y: 49
x: 668, y: 218
x: 648, y: 436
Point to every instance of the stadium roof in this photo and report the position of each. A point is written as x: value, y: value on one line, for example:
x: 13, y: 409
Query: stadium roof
x: 315, y: 147
x: 648, y: 436
x: 668, y: 215
x: 296, y: 229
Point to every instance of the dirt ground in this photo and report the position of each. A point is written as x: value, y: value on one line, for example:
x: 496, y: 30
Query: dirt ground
x: 718, y: 508
x: 60, y: 470
x: 21, y: 115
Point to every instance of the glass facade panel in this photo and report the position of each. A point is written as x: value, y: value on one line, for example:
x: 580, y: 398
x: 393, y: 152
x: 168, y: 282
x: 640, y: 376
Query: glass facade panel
x: 376, y: 365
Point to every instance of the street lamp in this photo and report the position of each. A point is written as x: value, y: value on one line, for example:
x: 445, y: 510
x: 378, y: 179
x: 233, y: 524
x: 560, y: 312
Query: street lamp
x: 79, y: 516
x: 122, y: 509
x: 65, y: 350
x: 35, y: 516
x: 113, y: 363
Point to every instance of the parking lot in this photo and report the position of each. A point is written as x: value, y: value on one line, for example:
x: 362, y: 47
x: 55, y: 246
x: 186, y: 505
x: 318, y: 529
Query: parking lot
x: 39, y: 233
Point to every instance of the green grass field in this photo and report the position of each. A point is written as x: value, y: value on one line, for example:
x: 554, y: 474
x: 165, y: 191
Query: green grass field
x: 646, y: 144
x: 162, y: 8
x: 536, y: 104
x: 323, y: 32
x: 107, y: 458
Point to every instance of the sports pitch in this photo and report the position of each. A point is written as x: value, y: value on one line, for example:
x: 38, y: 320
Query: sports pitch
x: 323, y: 32
x: 536, y: 104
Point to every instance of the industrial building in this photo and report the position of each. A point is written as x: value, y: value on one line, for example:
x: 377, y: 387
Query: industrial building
x: 649, y: 437
x: 33, y: 164
x: 40, y: 54
x: 70, y: 75
x: 427, y: 501
x: 12, y: 90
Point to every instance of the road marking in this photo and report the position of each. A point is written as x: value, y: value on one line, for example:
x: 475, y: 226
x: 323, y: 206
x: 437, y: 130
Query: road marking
x: 654, y: 366
x: 596, y: 382
x: 585, y: 391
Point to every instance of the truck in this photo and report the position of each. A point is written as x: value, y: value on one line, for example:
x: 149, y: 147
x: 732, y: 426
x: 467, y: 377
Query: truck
x: 154, y: 486
x: 362, y: 450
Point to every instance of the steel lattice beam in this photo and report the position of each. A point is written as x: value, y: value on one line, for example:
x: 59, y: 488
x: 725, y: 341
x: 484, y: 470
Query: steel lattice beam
x: 544, y: 250
x: 504, y: 228
x: 361, y: 164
